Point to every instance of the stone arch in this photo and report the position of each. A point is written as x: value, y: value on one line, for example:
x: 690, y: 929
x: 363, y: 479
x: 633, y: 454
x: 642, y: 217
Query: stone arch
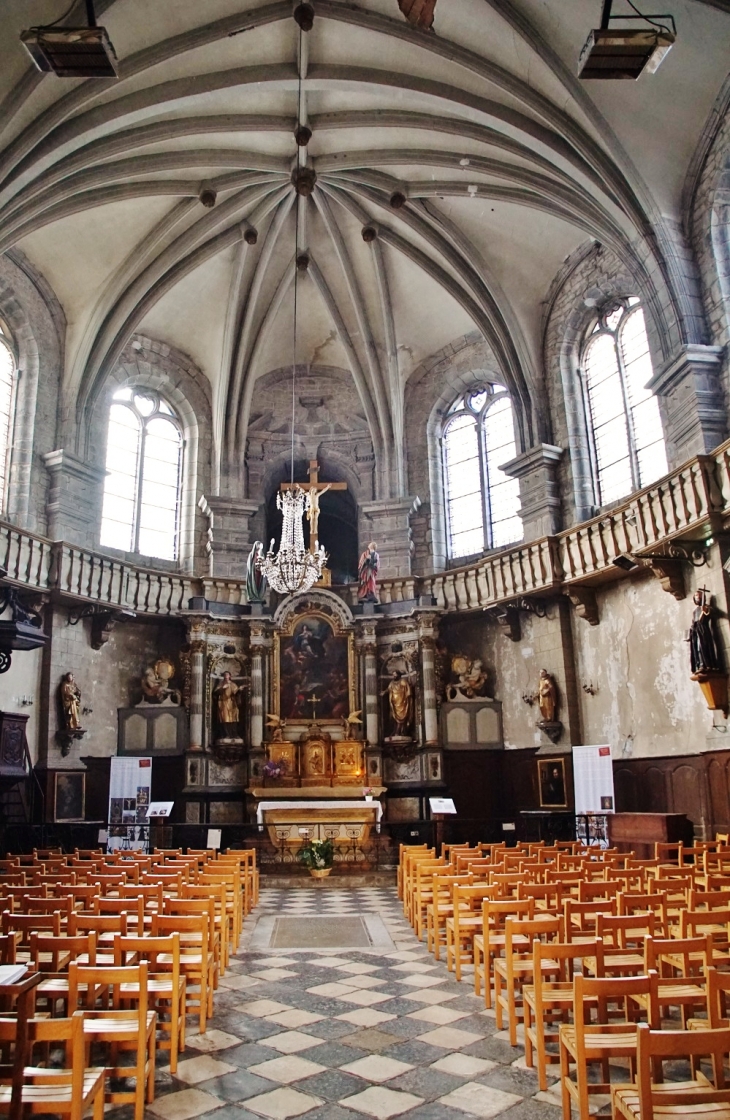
x: 332, y: 604
x: 590, y: 277
x: 155, y: 365
x: 38, y: 325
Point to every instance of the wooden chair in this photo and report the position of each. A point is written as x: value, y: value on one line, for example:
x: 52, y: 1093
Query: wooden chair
x: 215, y: 892
x: 421, y: 891
x: 166, y: 986
x: 582, y: 1042
x: 206, y: 906
x: 489, y: 943
x: 27, y: 924
x: 623, y: 938
x: 465, y: 923
x: 8, y: 947
x: 441, y: 908
x: 548, y: 1000
x: 697, y: 1098
x: 64, y: 1091
x: 121, y: 1028
x: 680, y: 966
x: 511, y: 970
x: 196, y: 958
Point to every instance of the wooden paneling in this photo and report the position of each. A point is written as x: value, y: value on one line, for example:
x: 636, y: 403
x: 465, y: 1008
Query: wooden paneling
x: 698, y: 785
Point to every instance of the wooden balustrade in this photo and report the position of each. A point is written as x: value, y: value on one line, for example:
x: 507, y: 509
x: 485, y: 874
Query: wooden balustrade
x: 691, y: 499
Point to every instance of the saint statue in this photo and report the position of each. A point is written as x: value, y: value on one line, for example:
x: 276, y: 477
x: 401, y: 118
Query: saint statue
x: 400, y: 700
x: 70, y: 703
x: 547, y: 697
x: 703, y: 652
x: 255, y: 579
x: 227, y: 705
x: 367, y: 574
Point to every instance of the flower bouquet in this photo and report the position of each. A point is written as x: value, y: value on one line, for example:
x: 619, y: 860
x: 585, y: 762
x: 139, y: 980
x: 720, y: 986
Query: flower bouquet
x: 318, y: 856
x: 273, y: 770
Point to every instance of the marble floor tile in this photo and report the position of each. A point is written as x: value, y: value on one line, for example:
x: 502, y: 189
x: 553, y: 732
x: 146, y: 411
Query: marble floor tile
x: 480, y: 1100
x: 212, y: 1040
x: 184, y: 1105
x: 365, y: 982
x: 333, y: 988
x: 377, y: 1068
x: 291, y: 1042
x: 371, y: 1039
x: 262, y: 1007
x: 282, y: 1103
x: 382, y: 1103
x: 294, y: 1018
x: 327, y: 962
x: 463, y: 1065
x: 430, y: 995
x: 286, y: 1069
x: 194, y: 1070
x: 274, y: 974
x: 356, y: 968
x: 438, y: 1014
x: 419, y: 981
x: 413, y: 966
x: 365, y: 999
x: 450, y: 1038
x: 275, y: 962
x: 366, y: 1017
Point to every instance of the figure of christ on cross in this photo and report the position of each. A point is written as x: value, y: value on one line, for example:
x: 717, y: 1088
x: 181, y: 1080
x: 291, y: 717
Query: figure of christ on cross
x: 315, y: 489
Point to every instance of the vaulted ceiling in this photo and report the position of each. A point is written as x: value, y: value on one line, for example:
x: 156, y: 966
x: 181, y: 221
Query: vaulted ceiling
x: 506, y: 160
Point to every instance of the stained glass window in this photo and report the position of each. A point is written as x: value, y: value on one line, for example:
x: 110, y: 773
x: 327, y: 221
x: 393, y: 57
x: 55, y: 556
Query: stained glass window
x: 627, y: 439
x: 141, y: 511
x: 482, y: 503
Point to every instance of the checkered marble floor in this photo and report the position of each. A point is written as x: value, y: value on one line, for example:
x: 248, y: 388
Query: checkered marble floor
x: 347, y: 1034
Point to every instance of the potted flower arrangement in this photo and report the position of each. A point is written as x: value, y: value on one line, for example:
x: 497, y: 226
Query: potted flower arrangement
x: 273, y: 770
x: 367, y: 793
x: 318, y: 856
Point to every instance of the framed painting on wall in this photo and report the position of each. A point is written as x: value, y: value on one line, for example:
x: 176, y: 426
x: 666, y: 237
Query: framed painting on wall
x: 314, y: 671
x: 551, y: 783
x: 69, y: 800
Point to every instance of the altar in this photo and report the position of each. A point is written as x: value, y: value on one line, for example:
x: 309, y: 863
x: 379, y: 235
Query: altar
x: 346, y: 823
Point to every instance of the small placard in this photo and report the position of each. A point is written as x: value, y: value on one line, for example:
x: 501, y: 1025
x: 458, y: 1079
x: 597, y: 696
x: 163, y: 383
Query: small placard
x: 160, y: 809
x: 214, y: 838
x: 508, y: 826
x: 442, y: 805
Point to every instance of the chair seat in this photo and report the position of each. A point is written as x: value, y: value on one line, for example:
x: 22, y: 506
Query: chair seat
x: 627, y: 1100
x: 55, y: 1091
x: 115, y: 1022
x: 601, y: 1041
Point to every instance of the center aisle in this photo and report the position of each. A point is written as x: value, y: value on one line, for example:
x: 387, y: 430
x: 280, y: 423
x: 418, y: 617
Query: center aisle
x: 338, y: 1034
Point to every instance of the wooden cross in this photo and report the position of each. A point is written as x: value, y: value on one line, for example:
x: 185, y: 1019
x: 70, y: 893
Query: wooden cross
x: 315, y: 489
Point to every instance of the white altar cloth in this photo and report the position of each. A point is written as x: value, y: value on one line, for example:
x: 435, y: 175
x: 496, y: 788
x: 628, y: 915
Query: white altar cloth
x: 305, y: 805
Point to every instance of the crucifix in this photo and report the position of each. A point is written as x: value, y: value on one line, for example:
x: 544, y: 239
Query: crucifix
x: 315, y: 489
x: 314, y: 700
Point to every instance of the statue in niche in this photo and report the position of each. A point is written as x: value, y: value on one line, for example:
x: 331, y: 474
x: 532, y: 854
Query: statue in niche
x: 367, y: 574
x: 471, y: 683
x: 703, y: 652
x: 156, y: 684
x: 70, y: 695
x: 255, y: 579
x: 547, y: 697
x: 400, y: 704
x: 227, y: 708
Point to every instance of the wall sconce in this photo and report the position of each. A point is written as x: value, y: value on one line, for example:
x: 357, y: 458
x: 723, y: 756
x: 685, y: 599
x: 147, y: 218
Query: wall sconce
x: 591, y: 689
x: 529, y: 698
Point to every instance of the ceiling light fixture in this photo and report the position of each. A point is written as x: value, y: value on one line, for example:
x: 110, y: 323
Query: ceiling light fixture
x: 622, y: 53
x: 72, y: 52
x: 294, y: 568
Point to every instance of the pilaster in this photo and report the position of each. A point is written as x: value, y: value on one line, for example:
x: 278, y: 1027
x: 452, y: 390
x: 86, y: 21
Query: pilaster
x: 536, y: 470
x: 388, y: 524
x: 691, y: 394
x: 229, y: 536
x: 74, y: 499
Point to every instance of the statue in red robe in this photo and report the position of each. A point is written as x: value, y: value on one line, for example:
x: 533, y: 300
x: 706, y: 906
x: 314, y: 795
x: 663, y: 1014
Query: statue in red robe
x: 367, y: 574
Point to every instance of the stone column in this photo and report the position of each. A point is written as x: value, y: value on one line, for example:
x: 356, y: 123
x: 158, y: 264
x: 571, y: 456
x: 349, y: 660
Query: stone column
x: 691, y: 398
x: 259, y: 644
x: 367, y: 647
x: 539, y: 489
x: 427, y: 624
x: 197, y: 682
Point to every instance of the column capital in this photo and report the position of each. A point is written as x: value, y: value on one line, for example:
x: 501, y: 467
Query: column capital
x: 693, y: 410
x: 539, y: 490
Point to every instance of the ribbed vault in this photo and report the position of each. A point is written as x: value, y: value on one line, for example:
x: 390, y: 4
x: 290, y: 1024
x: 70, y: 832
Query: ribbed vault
x: 504, y: 161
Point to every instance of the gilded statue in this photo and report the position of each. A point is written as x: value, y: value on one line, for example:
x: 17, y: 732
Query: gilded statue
x: 547, y: 697
x: 155, y: 684
x: 471, y: 681
x: 400, y: 702
x: 70, y: 703
x: 226, y: 698
x: 349, y: 724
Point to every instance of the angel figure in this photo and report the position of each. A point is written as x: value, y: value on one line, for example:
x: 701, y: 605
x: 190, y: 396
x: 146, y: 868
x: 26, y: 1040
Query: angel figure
x: 276, y: 726
x: 349, y: 724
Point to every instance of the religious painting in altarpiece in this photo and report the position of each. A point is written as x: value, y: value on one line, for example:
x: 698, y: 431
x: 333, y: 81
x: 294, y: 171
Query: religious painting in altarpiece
x: 314, y: 669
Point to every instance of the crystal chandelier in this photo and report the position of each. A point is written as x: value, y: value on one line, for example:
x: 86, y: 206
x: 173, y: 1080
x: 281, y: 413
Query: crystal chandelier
x: 294, y: 568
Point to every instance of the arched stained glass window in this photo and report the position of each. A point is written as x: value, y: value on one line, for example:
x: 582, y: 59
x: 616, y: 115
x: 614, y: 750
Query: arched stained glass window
x: 482, y: 503
x: 141, y: 511
x: 7, y: 394
x: 625, y: 428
